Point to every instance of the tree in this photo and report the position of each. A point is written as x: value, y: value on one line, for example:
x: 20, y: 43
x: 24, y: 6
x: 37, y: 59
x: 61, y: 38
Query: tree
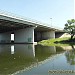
x: 70, y: 27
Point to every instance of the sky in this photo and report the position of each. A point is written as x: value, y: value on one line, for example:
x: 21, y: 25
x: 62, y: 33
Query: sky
x: 53, y: 12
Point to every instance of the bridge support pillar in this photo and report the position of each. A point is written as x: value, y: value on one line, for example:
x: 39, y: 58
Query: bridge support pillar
x: 5, y: 37
x: 24, y: 35
x: 48, y: 35
x: 44, y: 35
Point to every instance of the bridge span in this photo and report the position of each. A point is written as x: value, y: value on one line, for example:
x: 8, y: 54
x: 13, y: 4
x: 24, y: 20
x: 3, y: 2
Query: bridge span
x: 19, y: 30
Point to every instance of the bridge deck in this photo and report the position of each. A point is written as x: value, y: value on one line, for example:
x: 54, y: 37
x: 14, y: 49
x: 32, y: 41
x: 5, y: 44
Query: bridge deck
x: 11, y: 22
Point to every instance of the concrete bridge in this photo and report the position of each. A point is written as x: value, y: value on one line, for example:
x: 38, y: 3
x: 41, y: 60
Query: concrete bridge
x: 19, y: 30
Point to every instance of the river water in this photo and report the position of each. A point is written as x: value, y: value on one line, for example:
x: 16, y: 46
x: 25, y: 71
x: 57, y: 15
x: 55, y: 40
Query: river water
x: 30, y: 59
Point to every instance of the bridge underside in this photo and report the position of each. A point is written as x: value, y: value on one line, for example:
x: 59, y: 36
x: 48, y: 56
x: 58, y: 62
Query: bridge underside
x: 23, y: 32
x: 6, y: 26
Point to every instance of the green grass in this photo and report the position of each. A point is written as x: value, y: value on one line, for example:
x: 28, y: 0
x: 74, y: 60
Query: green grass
x: 51, y: 42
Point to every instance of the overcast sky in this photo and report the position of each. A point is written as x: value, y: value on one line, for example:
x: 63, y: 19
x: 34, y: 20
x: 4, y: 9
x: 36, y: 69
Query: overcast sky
x: 41, y: 10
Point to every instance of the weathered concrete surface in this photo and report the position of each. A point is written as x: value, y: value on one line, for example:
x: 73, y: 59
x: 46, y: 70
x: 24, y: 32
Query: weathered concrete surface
x: 39, y: 35
x: 24, y: 35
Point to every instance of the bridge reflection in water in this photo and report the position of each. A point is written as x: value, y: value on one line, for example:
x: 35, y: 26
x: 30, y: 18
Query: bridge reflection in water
x: 21, y: 57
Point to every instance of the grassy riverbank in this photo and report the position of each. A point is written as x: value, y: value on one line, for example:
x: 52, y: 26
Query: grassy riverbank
x: 57, y: 42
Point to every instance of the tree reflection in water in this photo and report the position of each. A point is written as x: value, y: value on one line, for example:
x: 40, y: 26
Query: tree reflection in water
x: 70, y: 56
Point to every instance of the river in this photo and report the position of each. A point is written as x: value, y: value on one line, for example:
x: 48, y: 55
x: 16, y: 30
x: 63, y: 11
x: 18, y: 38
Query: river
x: 30, y: 59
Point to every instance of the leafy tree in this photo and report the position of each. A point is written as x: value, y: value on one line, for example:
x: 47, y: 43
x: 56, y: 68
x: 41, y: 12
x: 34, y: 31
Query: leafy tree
x: 70, y: 27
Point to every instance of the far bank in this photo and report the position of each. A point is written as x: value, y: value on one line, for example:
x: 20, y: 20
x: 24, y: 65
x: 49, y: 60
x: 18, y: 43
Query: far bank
x: 66, y: 41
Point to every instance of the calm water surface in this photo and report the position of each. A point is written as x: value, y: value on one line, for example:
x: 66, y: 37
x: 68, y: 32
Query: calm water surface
x: 29, y: 59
